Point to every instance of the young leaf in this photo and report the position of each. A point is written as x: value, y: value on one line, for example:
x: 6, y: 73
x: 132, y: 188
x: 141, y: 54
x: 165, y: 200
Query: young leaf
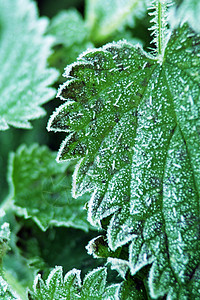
x: 104, y: 18
x: 41, y: 190
x: 133, y: 121
x: 55, y: 287
x: 24, y: 77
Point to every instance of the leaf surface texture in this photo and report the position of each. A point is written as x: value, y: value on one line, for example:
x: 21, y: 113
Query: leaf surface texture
x: 133, y: 121
x: 55, y: 287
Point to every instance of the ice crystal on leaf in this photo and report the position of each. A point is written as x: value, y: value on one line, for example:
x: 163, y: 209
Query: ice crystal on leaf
x: 24, y: 77
x: 55, y: 287
x: 133, y: 122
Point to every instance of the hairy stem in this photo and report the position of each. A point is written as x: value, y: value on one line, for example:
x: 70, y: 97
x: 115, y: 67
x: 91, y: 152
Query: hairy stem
x: 159, y: 28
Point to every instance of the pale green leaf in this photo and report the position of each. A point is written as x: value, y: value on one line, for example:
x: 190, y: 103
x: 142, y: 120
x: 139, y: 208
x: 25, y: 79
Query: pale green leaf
x: 41, y: 189
x: 188, y: 11
x: 68, y: 28
x: 6, y: 293
x: 133, y: 120
x: 24, y: 77
x: 55, y: 287
x: 111, y: 292
x: 71, y: 37
x: 104, y: 18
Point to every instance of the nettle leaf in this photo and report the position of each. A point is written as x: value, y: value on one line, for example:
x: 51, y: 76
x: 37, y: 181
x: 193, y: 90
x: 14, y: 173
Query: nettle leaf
x: 55, y: 287
x: 105, y: 17
x: 41, y: 189
x: 24, y: 77
x: 133, y: 120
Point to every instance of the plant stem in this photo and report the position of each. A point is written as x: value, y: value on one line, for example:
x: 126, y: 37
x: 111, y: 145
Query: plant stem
x: 160, y: 42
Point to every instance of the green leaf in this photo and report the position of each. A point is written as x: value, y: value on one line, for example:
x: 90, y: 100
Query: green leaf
x: 188, y: 11
x: 104, y: 18
x: 68, y: 28
x: 133, y: 121
x: 98, y: 247
x: 55, y: 287
x: 131, y: 289
x: 71, y: 37
x: 41, y: 190
x: 24, y: 50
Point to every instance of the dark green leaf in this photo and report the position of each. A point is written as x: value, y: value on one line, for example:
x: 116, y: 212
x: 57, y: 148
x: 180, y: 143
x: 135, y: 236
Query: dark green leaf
x: 133, y: 120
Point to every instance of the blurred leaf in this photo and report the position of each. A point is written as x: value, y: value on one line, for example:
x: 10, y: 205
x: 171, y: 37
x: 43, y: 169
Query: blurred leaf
x: 68, y: 28
x: 44, y: 250
x: 71, y: 38
x: 41, y: 189
x: 15, y: 266
x: 6, y: 291
x: 24, y: 77
x: 188, y: 11
x: 105, y: 17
